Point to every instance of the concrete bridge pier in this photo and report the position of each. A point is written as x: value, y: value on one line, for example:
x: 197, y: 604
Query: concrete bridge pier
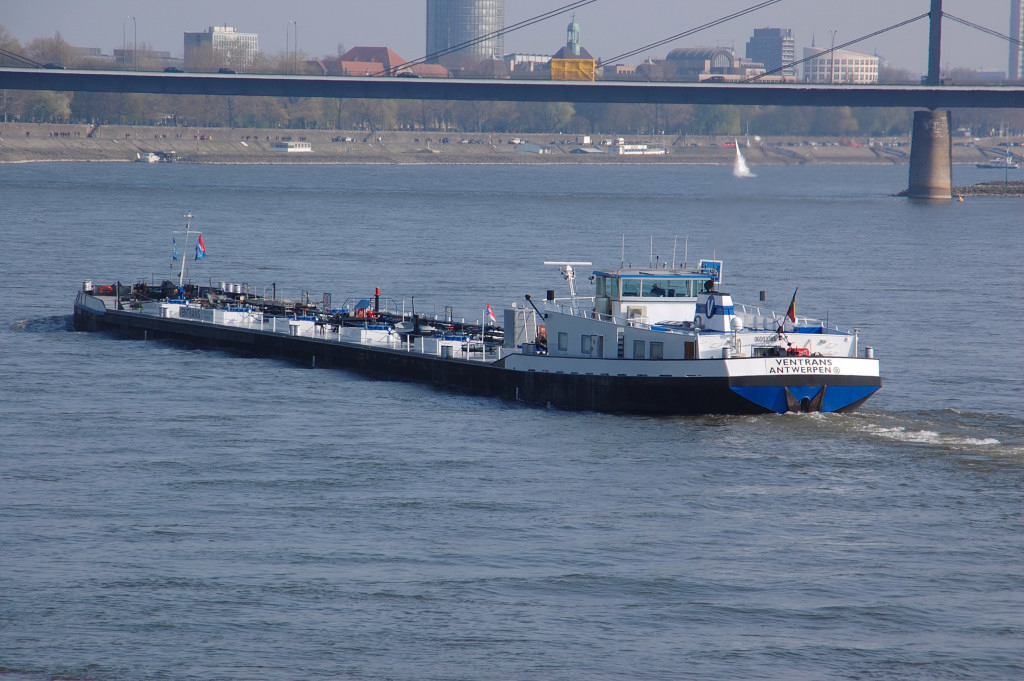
x: 931, y: 156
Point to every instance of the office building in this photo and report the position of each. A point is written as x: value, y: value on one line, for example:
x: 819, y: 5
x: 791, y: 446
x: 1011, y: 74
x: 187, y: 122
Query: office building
x: 844, y: 67
x: 463, y: 33
x: 775, y: 48
x: 221, y: 47
x: 1016, y: 69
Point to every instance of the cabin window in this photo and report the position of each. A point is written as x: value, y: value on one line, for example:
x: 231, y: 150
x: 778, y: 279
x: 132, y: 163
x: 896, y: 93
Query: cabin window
x: 657, y: 350
x: 654, y: 288
x: 630, y: 287
x: 605, y: 287
x: 679, y: 287
x: 563, y: 341
x: 638, y: 349
x: 665, y: 288
x: 586, y: 344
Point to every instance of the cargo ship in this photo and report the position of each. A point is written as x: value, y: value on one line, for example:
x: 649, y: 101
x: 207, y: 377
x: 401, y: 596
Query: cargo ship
x: 661, y: 340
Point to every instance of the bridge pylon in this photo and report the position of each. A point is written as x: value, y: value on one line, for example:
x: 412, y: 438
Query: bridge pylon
x: 931, y: 156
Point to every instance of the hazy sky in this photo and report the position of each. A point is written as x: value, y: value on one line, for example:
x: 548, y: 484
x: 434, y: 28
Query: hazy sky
x: 608, y: 27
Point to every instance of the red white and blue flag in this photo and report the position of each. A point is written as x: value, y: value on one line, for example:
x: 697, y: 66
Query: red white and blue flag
x: 490, y: 313
x: 200, y: 248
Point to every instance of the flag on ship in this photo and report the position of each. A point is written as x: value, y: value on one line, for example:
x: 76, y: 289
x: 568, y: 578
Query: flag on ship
x: 174, y: 245
x: 200, y: 248
x: 791, y: 312
x: 490, y: 313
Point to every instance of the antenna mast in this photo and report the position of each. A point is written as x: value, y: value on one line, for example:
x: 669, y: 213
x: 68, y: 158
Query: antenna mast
x: 184, y: 255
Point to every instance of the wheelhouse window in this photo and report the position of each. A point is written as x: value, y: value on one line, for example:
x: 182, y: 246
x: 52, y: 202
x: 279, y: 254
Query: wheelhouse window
x: 653, y: 287
x: 661, y: 288
x: 680, y: 287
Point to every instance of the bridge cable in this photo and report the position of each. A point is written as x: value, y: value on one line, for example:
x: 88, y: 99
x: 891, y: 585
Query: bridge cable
x: 837, y: 47
x: 487, y: 36
x: 17, y: 57
x: 691, y: 31
x: 983, y: 29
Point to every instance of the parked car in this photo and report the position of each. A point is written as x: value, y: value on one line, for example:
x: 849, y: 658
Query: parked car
x: 224, y: 69
x: 173, y: 69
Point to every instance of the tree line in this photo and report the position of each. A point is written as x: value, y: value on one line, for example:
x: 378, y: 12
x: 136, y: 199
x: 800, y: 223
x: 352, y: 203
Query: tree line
x: 442, y: 116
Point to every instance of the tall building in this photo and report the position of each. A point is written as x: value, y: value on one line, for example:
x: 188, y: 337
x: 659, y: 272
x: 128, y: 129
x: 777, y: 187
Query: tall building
x: 823, y: 65
x: 221, y: 47
x: 1016, y: 69
x: 773, y: 47
x: 457, y: 23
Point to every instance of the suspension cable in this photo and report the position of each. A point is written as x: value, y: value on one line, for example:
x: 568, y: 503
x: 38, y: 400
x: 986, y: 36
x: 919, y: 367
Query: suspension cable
x: 691, y: 31
x: 17, y: 57
x: 982, y: 29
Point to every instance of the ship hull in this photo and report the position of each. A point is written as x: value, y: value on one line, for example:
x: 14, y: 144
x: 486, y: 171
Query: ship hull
x: 733, y: 386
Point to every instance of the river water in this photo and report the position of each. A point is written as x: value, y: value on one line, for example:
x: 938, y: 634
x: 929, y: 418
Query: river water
x: 179, y: 514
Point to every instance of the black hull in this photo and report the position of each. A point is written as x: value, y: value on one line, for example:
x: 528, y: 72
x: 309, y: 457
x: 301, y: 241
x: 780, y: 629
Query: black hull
x: 649, y: 395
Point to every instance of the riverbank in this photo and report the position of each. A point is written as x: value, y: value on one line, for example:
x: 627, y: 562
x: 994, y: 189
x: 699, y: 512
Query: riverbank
x: 31, y: 142
x: 990, y: 189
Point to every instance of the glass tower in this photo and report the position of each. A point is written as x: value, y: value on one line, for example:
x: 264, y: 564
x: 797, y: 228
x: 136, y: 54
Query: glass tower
x: 1016, y: 69
x: 456, y: 22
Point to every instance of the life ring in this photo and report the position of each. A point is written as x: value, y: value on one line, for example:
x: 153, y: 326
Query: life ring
x: 105, y: 290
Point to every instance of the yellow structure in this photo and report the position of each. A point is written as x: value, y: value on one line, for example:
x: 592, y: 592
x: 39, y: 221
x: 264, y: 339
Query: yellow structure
x: 572, y: 69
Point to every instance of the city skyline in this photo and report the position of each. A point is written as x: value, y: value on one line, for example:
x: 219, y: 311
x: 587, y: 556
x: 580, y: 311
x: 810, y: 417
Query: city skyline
x: 608, y: 28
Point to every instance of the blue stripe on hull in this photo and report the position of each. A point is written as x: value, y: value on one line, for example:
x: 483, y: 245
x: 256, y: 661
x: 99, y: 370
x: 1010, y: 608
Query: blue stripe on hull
x: 840, y: 397
x: 770, y: 397
x: 834, y: 398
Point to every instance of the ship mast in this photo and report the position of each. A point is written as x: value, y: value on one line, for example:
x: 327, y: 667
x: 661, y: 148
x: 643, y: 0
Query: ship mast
x: 184, y: 255
x: 569, y: 274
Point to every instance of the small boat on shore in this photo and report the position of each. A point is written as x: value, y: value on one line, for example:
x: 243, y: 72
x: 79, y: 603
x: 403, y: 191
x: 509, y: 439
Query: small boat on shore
x: 659, y: 340
x: 999, y: 163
